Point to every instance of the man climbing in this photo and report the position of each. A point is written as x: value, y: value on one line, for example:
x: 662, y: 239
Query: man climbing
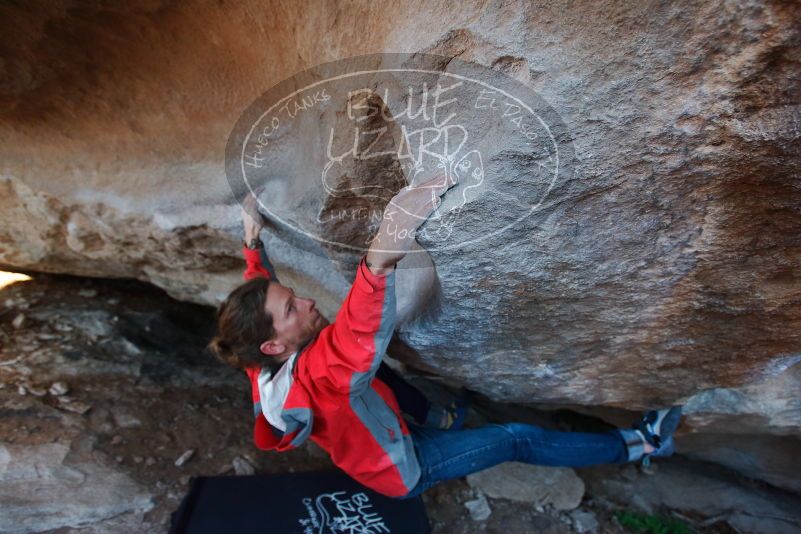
x: 325, y: 382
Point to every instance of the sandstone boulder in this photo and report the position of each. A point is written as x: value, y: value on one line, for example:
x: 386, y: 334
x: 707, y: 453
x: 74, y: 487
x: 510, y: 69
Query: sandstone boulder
x: 660, y: 267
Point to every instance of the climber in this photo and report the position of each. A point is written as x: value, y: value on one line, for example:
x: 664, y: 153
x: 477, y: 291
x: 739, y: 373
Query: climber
x: 311, y: 379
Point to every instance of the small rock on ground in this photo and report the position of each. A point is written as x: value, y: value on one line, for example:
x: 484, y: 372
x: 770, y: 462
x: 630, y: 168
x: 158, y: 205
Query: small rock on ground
x: 479, y: 508
x: 242, y: 466
x: 185, y: 457
x: 584, y: 522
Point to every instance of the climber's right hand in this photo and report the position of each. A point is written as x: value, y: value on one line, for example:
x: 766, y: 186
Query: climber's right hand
x: 404, y: 214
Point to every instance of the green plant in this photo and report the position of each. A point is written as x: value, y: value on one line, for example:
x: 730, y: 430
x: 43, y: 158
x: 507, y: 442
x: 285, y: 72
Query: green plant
x: 651, y: 524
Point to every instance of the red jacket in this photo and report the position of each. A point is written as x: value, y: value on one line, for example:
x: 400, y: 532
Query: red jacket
x: 327, y: 391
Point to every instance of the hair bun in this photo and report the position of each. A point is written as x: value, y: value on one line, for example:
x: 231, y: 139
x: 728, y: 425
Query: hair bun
x: 219, y: 346
x: 223, y: 351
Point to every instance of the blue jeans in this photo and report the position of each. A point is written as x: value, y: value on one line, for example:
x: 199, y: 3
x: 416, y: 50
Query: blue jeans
x: 449, y: 454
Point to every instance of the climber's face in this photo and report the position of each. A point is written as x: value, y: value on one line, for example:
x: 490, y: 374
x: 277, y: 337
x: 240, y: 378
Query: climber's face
x: 296, y: 321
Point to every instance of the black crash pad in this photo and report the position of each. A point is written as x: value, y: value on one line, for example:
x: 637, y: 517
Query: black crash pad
x: 319, y: 503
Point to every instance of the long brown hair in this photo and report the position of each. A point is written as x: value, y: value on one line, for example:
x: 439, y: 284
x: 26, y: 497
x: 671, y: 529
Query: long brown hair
x: 243, y: 324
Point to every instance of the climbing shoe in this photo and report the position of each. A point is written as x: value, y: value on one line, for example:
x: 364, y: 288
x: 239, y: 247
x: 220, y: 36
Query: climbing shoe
x: 655, y: 428
x: 450, y: 417
x: 457, y: 413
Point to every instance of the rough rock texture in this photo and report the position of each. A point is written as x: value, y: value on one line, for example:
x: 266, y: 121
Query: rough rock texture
x: 696, y: 489
x: 40, y: 490
x: 540, y: 486
x: 665, y: 266
x: 753, y: 429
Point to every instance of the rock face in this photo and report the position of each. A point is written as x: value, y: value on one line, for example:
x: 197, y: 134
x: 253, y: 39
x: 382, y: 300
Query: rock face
x: 663, y: 265
x: 41, y: 492
x: 753, y: 429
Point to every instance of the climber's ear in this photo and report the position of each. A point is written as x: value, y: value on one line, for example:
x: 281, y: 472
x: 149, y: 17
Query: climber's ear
x: 272, y: 348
